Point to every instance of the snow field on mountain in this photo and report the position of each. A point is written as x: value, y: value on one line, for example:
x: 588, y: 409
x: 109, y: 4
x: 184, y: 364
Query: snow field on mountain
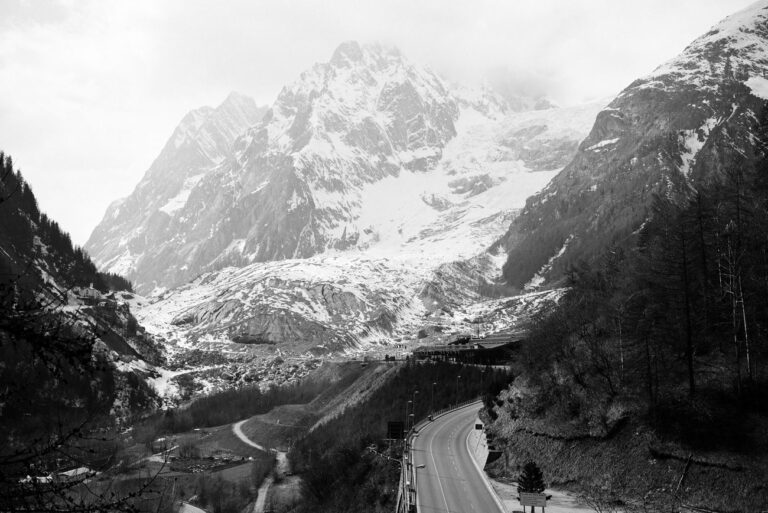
x: 284, y: 287
x: 421, y: 217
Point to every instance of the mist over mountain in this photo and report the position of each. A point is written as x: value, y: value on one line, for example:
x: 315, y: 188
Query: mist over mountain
x: 143, y: 221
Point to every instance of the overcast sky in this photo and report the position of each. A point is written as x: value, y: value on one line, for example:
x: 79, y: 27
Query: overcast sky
x: 91, y: 89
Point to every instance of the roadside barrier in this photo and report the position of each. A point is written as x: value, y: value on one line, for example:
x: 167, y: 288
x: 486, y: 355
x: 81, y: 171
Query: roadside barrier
x: 406, y: 494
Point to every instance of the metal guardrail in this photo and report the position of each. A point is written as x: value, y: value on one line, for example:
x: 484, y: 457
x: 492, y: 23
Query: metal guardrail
x: 406, y: 494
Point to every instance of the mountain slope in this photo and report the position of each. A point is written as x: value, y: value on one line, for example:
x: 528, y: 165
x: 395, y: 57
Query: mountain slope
x: 68, y: 341
x: 688, y: 121
x: 125, y: 241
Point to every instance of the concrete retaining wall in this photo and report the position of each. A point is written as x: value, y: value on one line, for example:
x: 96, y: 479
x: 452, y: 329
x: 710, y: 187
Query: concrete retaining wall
x: 478, y: 444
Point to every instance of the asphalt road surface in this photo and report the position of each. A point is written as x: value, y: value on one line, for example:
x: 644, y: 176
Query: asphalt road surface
x: 450, y: 481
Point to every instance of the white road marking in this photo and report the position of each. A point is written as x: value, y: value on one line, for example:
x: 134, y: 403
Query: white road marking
x: 434, y: 465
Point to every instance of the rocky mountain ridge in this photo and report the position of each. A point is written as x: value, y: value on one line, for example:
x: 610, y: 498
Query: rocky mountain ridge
x: 687, y: 122
x: 144, y: 220
x: 365, y: 152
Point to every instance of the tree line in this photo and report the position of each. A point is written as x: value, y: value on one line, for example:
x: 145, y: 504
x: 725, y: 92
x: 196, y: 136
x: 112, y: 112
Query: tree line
x: 24, y: 229
x: 231, y: 405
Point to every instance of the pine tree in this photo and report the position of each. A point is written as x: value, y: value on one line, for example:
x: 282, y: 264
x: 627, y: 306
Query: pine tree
x: 531, y: 479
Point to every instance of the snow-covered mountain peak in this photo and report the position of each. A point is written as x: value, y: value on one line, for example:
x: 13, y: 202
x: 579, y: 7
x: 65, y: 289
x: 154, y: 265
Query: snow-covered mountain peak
x: 360, y: 91
x: 366, y: 153
x: 209, y: 131
x: 736, y: 47
x: 364, y: 199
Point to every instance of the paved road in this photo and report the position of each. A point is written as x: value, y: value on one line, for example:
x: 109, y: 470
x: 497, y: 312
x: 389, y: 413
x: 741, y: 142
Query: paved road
x: 450, y: 481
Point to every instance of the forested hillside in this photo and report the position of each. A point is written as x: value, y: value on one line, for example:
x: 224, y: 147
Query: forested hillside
x: 30, y: 238
x: 346, y: 463
x: 66, y: 352
x: 668, y: 340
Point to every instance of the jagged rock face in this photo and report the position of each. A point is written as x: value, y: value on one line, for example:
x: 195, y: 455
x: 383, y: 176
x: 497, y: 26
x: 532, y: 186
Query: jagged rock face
x: 287, y: 188
x: 687, y: 122
x: 132, y: 237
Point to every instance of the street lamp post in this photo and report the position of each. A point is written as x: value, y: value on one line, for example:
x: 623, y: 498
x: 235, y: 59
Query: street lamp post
x: 405, y: 424
x: 457, y: 388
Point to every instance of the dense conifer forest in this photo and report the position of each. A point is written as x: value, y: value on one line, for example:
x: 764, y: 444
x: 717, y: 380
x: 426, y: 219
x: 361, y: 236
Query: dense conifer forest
x: 32, y: 235
x: 678, y: 323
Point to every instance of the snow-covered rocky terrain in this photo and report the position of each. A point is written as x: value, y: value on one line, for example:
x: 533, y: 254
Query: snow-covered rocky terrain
x: 686, y: 123
x: 359, y: 211
x: 135, y: 226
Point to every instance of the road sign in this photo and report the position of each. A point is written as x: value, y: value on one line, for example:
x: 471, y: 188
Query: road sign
x: 533, y: 499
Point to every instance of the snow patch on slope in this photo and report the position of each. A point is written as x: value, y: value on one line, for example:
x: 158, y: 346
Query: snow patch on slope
x: 693, y: 141
x: 178, y: 201
x: 602, y: 144
x: 759, y: 87
x: 539, y: 278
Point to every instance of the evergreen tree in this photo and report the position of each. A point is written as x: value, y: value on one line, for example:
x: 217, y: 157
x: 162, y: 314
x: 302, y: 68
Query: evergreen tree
x: 531, y: 479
